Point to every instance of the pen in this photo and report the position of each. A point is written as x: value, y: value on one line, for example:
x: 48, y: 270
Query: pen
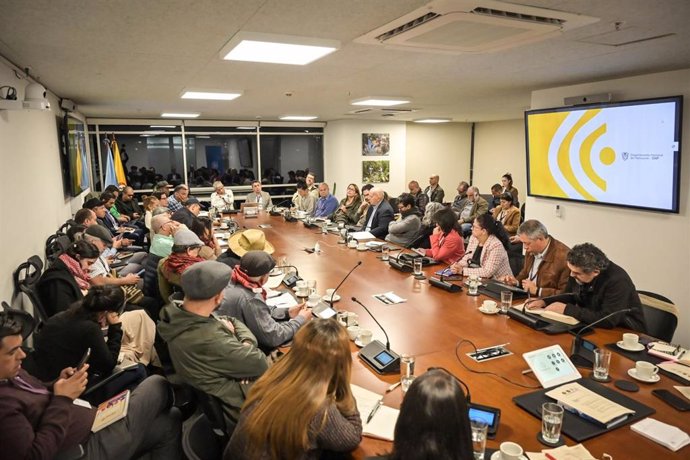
x: 393, y: 387
x: 373, y: 411
x: 549, y: 456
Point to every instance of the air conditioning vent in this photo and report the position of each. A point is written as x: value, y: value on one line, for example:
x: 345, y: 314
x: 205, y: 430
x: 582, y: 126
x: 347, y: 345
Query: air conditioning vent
x: 407, y: 26
x: 517, y: 16
x: 473, y: 26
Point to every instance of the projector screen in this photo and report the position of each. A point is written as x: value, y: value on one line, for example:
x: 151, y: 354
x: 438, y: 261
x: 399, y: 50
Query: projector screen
x: 622, y: 154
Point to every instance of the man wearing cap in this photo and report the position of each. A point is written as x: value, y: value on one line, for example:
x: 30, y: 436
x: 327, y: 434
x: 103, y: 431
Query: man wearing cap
x: 327, y: 203
x: 222, y: 199
x: 218, y: 355
x: 245, y: 299
x: 185, y: 253
x: 188, y: 213
x: 178, y: 197
x: 40, y: 420
x: 106, y: 219
x: 162, y: 186
x: 100, y: 270
x: 257, y: 196
x: 241, y: 242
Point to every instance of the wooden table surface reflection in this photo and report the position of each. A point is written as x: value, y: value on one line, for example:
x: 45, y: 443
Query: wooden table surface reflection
x: 433, y: 321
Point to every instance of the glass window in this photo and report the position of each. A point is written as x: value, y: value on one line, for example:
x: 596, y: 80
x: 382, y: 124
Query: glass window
x: 229, y: 158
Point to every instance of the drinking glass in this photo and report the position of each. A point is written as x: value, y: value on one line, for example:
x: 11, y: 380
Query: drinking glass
x: 551, y: 422
x: 406, y: 372
x: 473, y: 285
x: 506, y: 301
x: 479, y: 428
x: 602, y: 363
x: 311, y: 284
x: 385, y: 251
x: 417, y: 266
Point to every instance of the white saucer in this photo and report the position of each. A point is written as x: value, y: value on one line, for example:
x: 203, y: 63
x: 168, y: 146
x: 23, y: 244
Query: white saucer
x: 638, y: 347
x: 489, y: 312
x: 633, y: 373
x: 497, y: 456
x: 362, y: 249
x: 359, y: 343
x: 327, y: 299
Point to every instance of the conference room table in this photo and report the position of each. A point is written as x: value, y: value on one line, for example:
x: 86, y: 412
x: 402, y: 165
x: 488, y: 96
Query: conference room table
x: 431, y: 323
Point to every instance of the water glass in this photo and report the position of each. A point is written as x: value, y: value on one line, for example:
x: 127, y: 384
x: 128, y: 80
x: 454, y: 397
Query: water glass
x: 417, y: 266
x: 602, y: 363
x: 311, y: 284
x: 506, y: 301
x: 406, y: 372
x: 551, y: 422
x: 479, y: 429
x: 473, y: 285
x: 385, y: 252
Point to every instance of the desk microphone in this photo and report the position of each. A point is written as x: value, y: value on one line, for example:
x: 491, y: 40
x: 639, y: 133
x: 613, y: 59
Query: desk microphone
x: 377, y: 356
x: 440, y: 283
x: 341, y: 283
x: 582, y: 351
x: 400, y: 265
x: 291, y: 281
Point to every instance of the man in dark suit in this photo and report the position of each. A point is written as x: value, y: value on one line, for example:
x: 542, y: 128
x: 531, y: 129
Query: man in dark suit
x: 379, y: 214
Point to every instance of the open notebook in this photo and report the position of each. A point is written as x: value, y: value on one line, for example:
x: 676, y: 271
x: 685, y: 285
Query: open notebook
x: 382, y: 424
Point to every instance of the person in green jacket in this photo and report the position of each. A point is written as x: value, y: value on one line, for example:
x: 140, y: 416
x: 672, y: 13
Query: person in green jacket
x: 217, y: 355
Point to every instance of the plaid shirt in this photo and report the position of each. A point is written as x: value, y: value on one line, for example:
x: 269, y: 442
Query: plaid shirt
x: 494, y: 259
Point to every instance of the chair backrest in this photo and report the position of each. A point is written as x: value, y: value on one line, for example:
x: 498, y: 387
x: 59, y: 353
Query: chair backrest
x: 39, y: 312
x: 55, y: 245
x: 199, y: 442
x: 660, y: 315
x: 28, y: 273
x: 213, y: 410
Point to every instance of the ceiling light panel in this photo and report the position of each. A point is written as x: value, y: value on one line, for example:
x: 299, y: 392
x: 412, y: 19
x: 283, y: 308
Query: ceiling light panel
x: 179, y: 115
x: 212, y: 96
x: 277, y: 49
x: 298, y: 117
x: 376, y: 101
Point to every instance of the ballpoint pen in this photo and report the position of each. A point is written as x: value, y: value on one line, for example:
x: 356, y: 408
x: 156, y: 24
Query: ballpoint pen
x: 373, y: 411
x: 393, y: 387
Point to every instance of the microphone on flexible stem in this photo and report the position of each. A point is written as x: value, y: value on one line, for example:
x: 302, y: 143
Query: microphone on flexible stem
x: 330, y: 302
x: 398, y: 264
x: 377, y: 356
x: 291, y: 281
x: 440, y: 283
x: 582, y: 351
x: 290, y: 266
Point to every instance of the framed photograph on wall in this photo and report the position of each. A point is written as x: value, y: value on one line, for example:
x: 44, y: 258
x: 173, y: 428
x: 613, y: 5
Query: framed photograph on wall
x: 376, y: 172
x: 375, y: 144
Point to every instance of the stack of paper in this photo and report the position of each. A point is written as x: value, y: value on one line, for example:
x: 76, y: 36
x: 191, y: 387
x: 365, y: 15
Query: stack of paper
x: 667, y: 435
x: 577, y: 452
x: 590, y: 405
x: 382, y: 424
x: 389, y: 298
x: 285, y: 300
x: 548, y: 314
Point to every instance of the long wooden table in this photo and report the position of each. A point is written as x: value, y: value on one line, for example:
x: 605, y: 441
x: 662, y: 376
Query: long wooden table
x: 433, y: 321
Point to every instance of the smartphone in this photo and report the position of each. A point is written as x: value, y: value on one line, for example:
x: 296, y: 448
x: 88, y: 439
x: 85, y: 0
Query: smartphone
x: 84, y: 359
x: 141, y: 272
x: 672, y: 400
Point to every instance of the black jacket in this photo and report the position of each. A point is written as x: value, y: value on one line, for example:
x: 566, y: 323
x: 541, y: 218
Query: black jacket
x: 383, y: 216
x: 184, y: 216
x: 57, y: 288
x: 610, y: 291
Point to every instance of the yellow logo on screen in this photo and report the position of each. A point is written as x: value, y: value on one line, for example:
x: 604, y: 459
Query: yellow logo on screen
x: 563, y: 156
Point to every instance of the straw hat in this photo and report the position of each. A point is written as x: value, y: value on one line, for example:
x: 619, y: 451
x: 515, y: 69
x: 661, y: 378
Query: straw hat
x: 249, y: 240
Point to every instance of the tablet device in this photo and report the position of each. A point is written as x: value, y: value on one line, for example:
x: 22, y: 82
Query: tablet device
x: 551, y: 366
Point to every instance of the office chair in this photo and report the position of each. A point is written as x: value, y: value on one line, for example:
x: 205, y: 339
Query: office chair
x: 660, y: 315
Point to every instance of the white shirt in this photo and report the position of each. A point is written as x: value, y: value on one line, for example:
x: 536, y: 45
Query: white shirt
x: 226, y: 201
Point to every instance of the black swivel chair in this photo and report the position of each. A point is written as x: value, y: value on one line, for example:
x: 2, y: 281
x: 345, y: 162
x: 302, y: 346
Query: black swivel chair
x: 660, y: 315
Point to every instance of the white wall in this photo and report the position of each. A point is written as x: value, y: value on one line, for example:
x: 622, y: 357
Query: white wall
x: 343, y: 153
x: 499, y: 148
x: 32, y: 201
x: 442, y: 149
x: 653, y: 247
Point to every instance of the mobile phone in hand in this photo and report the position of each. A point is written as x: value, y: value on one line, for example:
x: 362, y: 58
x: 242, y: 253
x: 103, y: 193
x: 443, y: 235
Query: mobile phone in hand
x: 84, y: 359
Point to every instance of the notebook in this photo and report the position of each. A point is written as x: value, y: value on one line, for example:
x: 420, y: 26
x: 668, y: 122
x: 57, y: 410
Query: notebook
x: 382, y: 424
x: 111, y: 411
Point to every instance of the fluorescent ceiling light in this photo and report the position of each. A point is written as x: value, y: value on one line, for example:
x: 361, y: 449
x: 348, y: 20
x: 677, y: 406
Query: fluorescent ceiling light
x: 246, y: 127
x: 380, y: 101
x: 163, y: 126
x: 277, y: 49
x: 213, y: 96
x: 298, y: 117
x: 179, y: 115
x: 203, y: 137
x: 432, y: 120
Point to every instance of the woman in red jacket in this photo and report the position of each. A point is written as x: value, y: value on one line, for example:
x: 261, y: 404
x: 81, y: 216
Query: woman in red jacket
x: 447, y: 245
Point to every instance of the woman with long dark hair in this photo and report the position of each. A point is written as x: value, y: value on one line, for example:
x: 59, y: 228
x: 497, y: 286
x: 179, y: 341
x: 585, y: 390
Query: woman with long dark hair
x: 433, y: 421
x: 507, y: 214
x: 303, y: 404
x: 347, y: 211
x: 203, y: 227
x: 446, y: 243
x: 67, y: 280
x: 507, y: 183
x: 486, y: 254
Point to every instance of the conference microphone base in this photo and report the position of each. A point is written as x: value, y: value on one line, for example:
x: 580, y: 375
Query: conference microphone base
x: 380, y: 359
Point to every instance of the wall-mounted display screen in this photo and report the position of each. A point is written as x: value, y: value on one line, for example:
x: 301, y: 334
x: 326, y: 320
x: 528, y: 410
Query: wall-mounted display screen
x: 622, y: 154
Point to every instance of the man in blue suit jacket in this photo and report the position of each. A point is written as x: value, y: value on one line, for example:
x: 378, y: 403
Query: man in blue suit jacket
x: 327, y: 203
x: 379, y: 214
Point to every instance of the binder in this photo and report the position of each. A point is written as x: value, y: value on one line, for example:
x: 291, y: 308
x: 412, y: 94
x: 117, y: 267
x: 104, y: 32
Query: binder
x: 576, y: 427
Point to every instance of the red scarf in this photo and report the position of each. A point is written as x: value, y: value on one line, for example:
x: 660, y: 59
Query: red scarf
x: 239, y: 276
x: 179, y: 262
x: 80, y: 276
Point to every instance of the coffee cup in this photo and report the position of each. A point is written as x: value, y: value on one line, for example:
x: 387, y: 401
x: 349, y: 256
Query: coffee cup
x: 352, y: 318
x: 489, y: 305
x: 365, y: 336
x: 352, y: 244
x: 510, y: 451
x: 353, y: 332
x: 630, y: 340
x: 302, y: 288
x: 329, y: 294
x: 313, y: 300
x: 301, y: 214
x: 361, y: 247
x: 646, y: 370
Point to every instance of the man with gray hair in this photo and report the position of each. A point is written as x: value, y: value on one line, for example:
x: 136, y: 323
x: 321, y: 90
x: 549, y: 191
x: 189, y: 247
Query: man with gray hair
x: 474, y: 206
x: 545, y: 271
x: 222, y: 199
x: 245, y: 299
x: 597, y: 288
x: 379, y: 214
